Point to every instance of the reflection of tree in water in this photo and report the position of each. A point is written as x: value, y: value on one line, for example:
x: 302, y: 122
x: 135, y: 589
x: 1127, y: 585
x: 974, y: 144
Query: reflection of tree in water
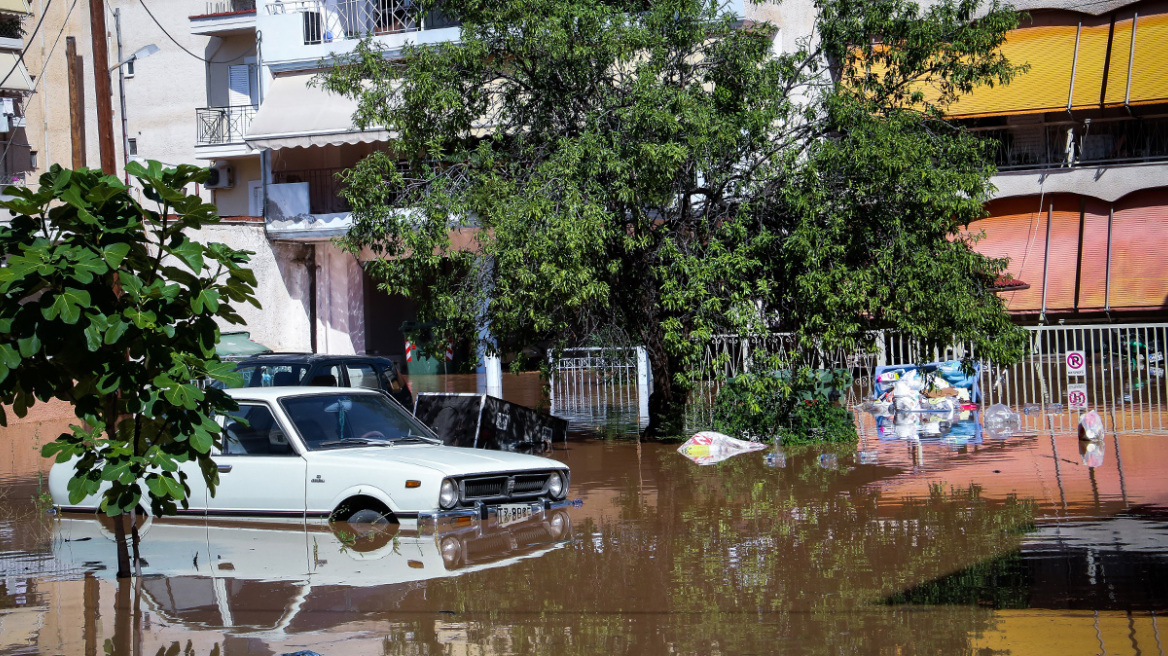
x: 739, y: 559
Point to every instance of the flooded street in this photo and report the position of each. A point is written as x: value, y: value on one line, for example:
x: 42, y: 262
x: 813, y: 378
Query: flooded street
x: 890, y: 546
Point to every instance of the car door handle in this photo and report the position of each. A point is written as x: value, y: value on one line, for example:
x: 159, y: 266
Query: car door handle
x: 224, y: 468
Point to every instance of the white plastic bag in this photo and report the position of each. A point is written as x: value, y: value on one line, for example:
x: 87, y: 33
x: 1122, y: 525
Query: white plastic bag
x: 709, y: 447
x: 1091, y: 427
x: 1001, y: 422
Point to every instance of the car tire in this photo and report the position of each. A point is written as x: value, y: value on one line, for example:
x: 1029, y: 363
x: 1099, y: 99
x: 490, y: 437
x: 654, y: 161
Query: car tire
x: 363, y: 510
x: 370, y: 516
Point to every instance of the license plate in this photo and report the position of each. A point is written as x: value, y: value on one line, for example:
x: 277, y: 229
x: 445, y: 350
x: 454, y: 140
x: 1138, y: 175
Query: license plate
x: 510, y: 513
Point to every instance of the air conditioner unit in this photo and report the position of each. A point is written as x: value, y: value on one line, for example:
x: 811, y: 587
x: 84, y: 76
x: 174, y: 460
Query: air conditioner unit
x: 222, y: 176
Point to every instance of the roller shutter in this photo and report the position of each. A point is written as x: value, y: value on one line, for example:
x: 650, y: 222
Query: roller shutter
x: 1139, y: 277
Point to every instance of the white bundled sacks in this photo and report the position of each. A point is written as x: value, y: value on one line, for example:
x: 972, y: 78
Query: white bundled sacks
x: 709, y: 447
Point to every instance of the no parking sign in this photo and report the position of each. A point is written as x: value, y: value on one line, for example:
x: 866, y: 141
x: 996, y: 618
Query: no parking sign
x: 1077, y: 396
x: 1076, y: 363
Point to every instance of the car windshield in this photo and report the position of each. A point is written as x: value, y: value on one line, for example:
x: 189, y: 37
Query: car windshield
x: 331, y: 421
x: 272, y: 375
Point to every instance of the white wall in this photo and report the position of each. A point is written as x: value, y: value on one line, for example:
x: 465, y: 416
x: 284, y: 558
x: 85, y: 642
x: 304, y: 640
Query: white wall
x: 340, y: 302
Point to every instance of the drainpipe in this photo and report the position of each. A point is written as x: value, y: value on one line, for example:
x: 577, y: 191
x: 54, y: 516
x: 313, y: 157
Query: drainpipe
x: 1046, y: 263
x: 310, y: 268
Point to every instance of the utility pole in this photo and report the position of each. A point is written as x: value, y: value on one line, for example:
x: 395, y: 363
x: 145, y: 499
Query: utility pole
x: 101, y: 85
x: 76, y: 102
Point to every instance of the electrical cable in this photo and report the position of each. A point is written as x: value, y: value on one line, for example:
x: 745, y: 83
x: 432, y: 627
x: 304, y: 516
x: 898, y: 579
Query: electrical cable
x: 20, y: 60
x: 183, y: 48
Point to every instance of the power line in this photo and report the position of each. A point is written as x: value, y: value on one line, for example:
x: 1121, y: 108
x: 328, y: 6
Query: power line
x: 180, y: 46
x: 28, y: 44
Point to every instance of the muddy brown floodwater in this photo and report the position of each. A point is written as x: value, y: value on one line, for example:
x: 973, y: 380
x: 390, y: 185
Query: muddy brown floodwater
x: 890, y: 546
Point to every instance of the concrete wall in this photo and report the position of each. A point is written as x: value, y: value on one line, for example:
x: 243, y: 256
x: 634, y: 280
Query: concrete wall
x: 282, y: 323
x: 340, y: 301
x: 236, y: 201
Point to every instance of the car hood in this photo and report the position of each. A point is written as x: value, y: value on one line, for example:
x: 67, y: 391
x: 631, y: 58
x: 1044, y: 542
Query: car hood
x: 450, y: 460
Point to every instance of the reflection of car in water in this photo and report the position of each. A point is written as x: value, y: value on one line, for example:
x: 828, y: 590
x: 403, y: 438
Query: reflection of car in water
x: 257, y: 576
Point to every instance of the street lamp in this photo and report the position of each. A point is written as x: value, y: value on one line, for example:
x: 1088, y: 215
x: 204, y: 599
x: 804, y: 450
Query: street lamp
x: 140, y: 53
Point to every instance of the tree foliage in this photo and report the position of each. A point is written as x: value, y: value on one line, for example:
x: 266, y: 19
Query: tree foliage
x: 657, y: 173
x: 112, y: 307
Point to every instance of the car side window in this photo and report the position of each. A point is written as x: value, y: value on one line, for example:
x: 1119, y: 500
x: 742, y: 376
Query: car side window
x: 362, y: 375
x: 253, y: 431
x: 390, y: 381
x: 326, y: 376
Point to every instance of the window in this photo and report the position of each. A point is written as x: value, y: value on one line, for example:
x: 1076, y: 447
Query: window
x: 32, y: 160
x: 273, y: 375
x: 362, y: 375
x: 133, y: 146
x: 128, y: 68
x: 252, y: 431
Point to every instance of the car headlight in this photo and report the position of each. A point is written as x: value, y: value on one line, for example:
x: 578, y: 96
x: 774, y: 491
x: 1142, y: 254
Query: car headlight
x: 448, y: 495
x: 557, y: 485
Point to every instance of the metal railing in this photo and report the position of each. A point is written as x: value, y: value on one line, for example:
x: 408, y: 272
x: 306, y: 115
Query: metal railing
x: 604, y: 387
x: 336, y: 20
x: 324, y: 189
x: 229, y: 6
x: 1123, y: 373
x: 1069, y: 144
x: 223, y: 125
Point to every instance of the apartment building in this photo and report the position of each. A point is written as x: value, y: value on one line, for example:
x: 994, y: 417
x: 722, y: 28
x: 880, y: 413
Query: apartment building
x: 1081, y: 144
x: 16, y: 87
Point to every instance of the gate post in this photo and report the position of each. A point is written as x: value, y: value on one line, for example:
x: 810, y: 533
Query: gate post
x: 644, y: 383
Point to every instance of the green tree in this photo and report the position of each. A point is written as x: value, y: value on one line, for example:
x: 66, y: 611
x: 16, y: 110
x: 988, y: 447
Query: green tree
x: 655, y: 173
x: 110, y: 306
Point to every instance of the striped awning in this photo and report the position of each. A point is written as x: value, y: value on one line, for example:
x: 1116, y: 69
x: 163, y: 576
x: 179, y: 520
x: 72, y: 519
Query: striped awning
x: 13, y: 74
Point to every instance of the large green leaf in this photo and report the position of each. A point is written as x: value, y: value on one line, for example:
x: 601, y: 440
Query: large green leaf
x: 67, y: 304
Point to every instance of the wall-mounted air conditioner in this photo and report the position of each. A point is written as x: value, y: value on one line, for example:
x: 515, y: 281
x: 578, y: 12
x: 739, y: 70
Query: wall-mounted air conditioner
x: 222, y: 176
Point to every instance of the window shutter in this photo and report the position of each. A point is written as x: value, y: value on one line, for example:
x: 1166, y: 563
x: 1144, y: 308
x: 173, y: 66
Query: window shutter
x: 239, y: 85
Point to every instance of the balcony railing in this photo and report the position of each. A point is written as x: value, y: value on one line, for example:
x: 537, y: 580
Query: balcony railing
x: 324, y: 189
x: 215, y: 7
x: 1086, y: 143
x: 336, y: 20
x: 223, y: 125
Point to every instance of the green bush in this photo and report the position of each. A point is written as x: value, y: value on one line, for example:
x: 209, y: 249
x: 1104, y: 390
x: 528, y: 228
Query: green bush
x: 796, y: 407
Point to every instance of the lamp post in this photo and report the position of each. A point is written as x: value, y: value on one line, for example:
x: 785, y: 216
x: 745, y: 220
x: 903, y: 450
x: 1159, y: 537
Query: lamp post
x: 140, y: 53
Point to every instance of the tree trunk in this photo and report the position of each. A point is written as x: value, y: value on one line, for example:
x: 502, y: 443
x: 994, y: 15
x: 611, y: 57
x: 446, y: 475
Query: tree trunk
x: 667, y: 402
x: 122, y: 547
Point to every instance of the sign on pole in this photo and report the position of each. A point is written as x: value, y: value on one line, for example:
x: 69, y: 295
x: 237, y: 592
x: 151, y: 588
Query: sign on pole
x: 1077, y: 396
x: 1076, y: 363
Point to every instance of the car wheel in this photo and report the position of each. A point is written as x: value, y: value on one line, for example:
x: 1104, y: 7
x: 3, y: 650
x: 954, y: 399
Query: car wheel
x: 369, y: 516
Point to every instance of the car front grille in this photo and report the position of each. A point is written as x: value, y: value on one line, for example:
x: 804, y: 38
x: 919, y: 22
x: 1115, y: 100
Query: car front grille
x: 504, y: 487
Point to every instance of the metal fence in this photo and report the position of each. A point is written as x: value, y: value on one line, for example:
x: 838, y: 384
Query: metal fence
x: 336, y: 20
x: 223, y: 125
x: 603, y: 387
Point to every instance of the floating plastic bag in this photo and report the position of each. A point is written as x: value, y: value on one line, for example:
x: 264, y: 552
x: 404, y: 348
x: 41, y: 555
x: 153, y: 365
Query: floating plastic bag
x: 1091, y: 427
x: 1001, y: 422
x: 1091, y: 452
x: 709, y: 447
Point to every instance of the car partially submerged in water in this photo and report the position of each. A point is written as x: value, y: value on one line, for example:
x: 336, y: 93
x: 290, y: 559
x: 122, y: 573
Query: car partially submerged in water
x: 354, y: 455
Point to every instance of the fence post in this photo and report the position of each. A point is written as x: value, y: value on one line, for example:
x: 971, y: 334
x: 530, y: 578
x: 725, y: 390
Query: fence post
x: 881, y: 352
x: 644, y: 383
x: 494, y: 367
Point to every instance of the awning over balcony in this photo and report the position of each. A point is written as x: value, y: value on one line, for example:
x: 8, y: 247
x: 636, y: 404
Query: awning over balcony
x: 14, y: 6
x: 1079, y: 62
x: 296, y: 115
x: 13, y: 74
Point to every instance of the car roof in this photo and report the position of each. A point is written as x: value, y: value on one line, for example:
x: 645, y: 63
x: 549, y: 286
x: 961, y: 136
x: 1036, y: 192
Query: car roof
x: 310, y: 358
x: 271, y: 394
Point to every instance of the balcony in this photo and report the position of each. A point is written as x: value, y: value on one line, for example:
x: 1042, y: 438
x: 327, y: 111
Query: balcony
x: 1069, y: 144
x: 327, y: 21
x: 225, y: 17
x: 221, y: 130
x: 324, y: 189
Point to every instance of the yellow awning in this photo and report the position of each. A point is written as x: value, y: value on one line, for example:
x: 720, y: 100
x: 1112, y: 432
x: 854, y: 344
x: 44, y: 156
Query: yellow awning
x: 15, y: 6
x: 1046, y: 87
x: 13, y: 75
x: 1149, y: 81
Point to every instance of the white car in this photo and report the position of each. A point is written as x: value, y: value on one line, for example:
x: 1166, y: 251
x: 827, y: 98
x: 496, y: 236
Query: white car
x: 353, y: 455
